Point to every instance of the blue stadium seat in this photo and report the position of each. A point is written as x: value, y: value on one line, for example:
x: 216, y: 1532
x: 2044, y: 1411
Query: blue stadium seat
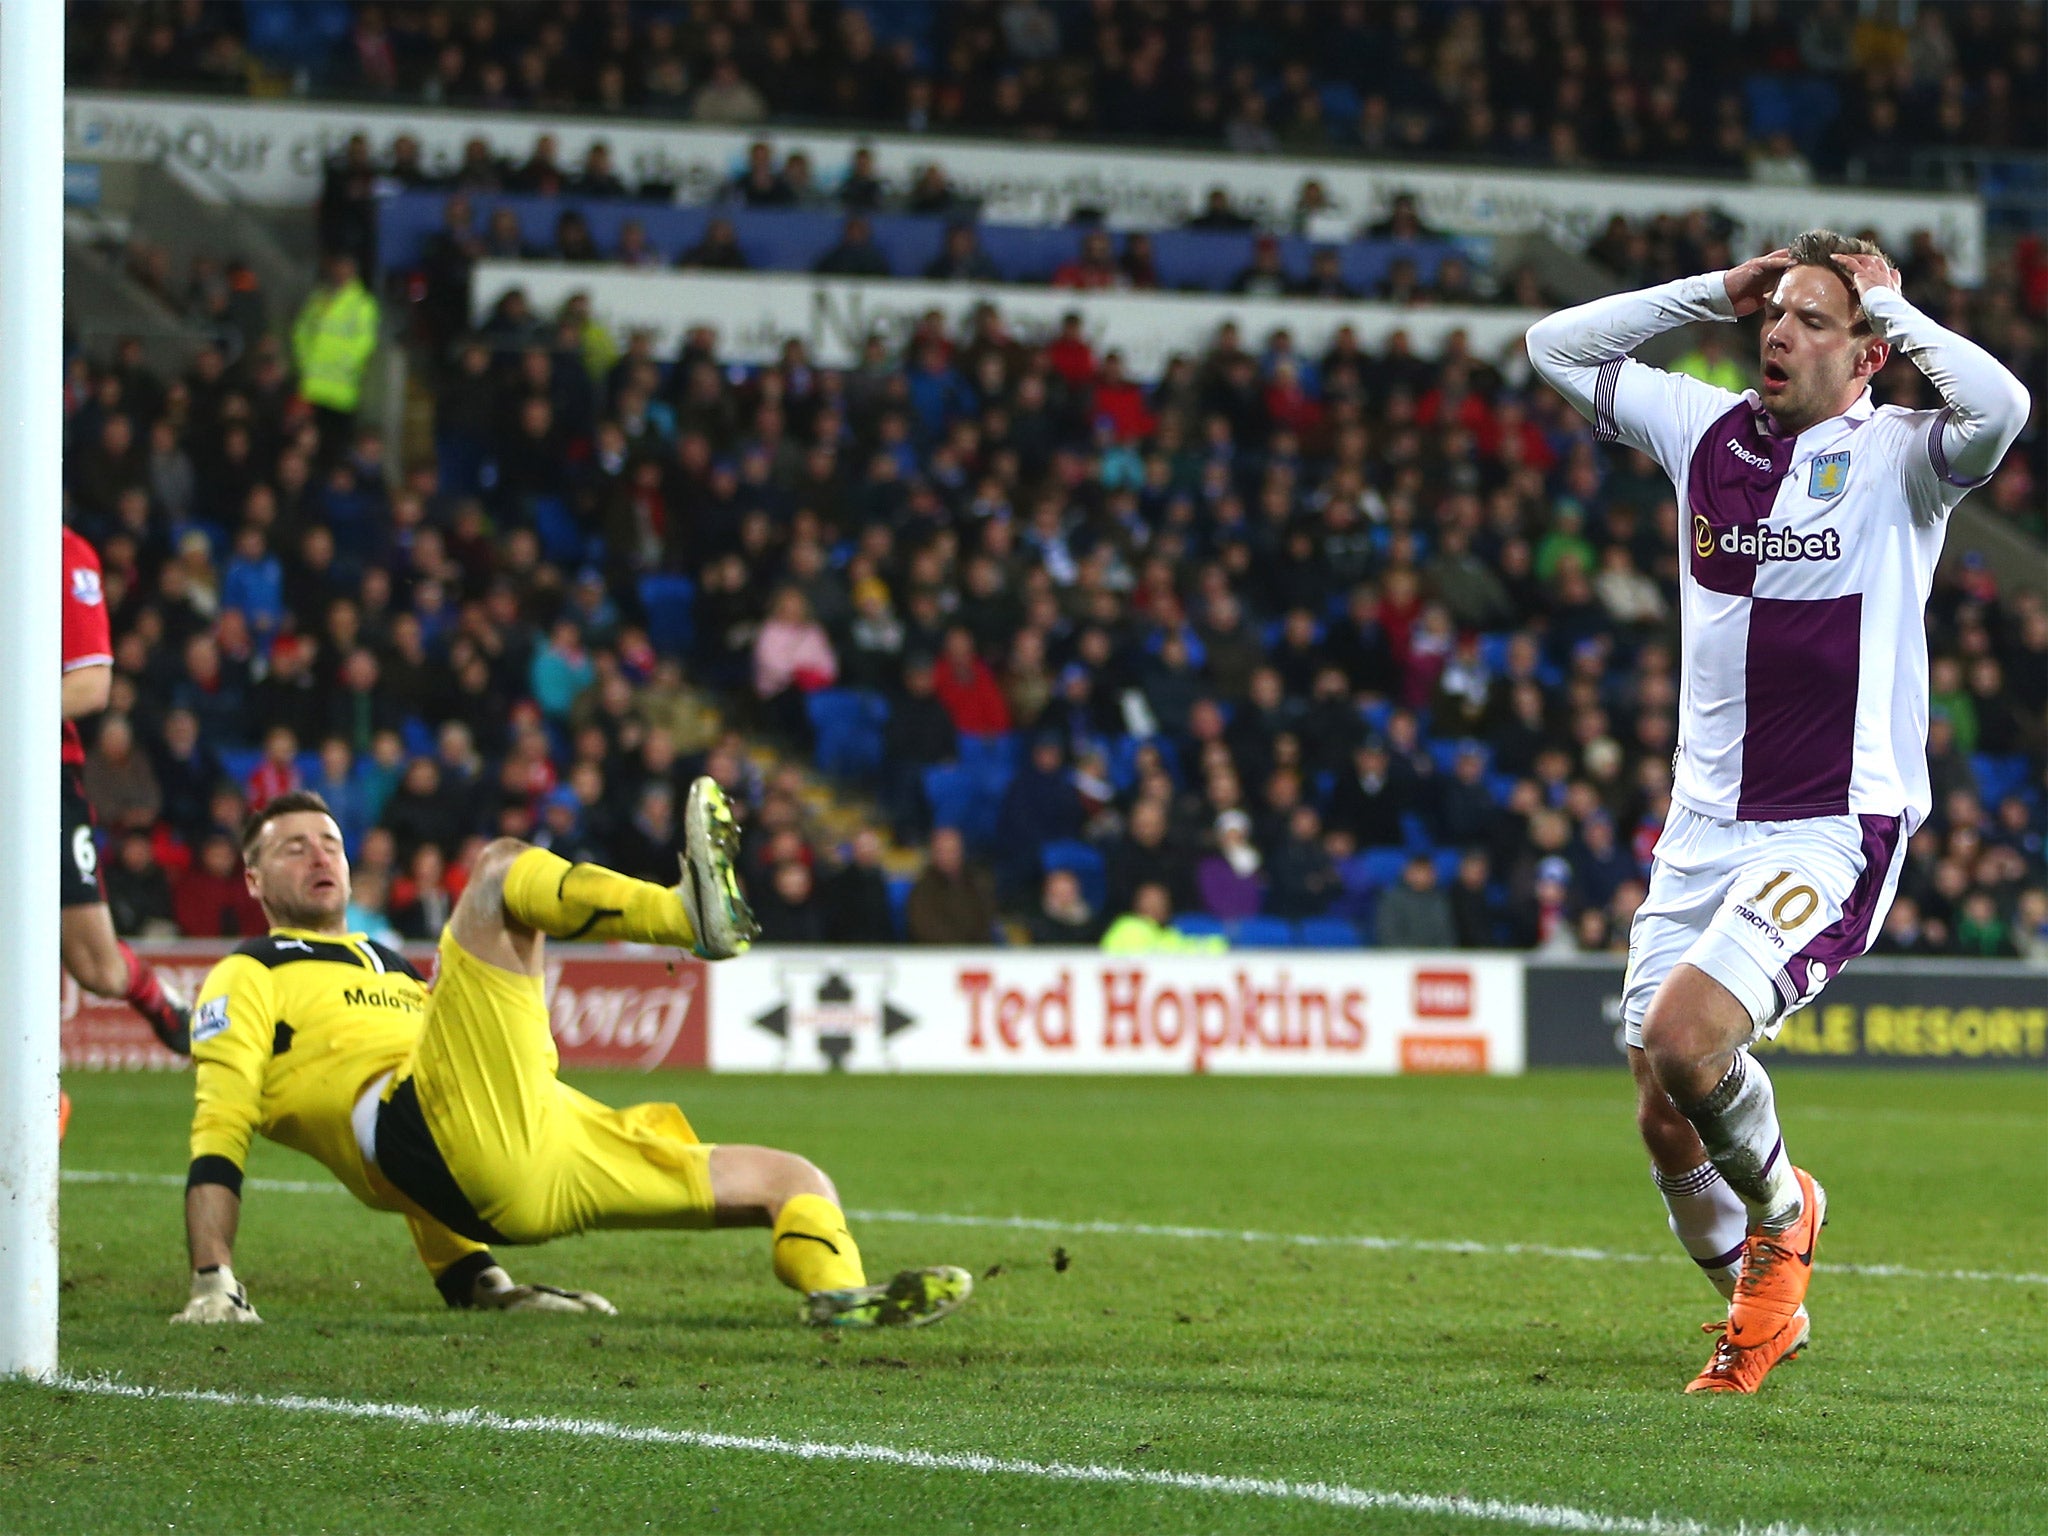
x: 1447, y: 865
x: 239, y: 762
x: 1087, y: 863
x: 847, y: 723
x: 670, y: 603
x: 899, y: 898
x: 560, y: 538
x: 1326, y: 933
x: 1415, y: 833
x: 1199, y: 925
x: 1260, y: 933
x: 417, y: 735
x: 793, y: 239
x: 992, y: 756
x: 1374, y: 869
x: 958, y: 798
x: 1998, y: 777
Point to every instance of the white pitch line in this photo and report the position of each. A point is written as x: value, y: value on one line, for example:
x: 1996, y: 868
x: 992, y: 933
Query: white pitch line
x: 177, y: 1181
x: 1544, y: 1517
x: 1400, y: 1244
x: 1207, y: 1234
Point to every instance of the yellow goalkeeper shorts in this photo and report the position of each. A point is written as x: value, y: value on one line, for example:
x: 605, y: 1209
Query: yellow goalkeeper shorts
x: 477, y: 1129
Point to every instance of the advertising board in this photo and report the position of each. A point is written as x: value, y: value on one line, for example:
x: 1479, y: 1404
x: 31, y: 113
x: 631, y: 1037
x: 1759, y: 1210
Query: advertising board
x: 1039, y: 1010
x: 753, y: 315
x: 272, y: 152
x: 608, y: 1008
x: 1884, y: 1013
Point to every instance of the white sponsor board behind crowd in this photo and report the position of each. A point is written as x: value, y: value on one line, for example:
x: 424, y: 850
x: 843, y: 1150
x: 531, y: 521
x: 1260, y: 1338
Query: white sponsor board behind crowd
x: 1002, y: 1010
x: 754, y: 314
x: 271, y: 152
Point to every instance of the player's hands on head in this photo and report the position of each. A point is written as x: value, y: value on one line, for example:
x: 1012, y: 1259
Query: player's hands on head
x: 1756, y: 279
x: 217, y: 1297
x: 1868, y: 272
x: 496, y: 1292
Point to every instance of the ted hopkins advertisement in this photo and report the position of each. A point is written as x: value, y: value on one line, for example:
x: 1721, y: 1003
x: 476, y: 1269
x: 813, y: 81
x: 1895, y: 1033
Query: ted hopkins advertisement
x: 971, y: 1010
x: 1079, y: 1011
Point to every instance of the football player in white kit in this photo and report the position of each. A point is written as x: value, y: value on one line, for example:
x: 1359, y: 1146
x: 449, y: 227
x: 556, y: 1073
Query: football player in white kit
x: 1811, y: 520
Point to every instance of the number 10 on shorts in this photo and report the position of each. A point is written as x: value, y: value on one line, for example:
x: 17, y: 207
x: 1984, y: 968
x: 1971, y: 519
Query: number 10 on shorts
x: 1793, y: 906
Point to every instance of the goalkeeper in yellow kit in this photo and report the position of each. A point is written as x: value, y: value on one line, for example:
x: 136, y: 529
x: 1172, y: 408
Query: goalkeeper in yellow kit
x: 441, y: 1104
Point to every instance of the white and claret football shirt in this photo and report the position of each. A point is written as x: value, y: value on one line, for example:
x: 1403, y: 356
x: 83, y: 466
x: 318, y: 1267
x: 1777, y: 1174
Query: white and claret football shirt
x: 1806, y: 560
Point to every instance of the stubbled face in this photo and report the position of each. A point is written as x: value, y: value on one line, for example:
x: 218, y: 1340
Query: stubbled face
x: 298, y: 870
x: 1814, y: 354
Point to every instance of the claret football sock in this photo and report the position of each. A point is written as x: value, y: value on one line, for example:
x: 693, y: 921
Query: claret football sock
x: 813, y: 1249
x: 1708, y: 1219
x: 1738, y: 1125
x: 545, y: 891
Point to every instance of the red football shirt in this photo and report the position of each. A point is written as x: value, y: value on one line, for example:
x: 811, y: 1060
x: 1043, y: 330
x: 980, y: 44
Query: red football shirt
x: 86, y: 639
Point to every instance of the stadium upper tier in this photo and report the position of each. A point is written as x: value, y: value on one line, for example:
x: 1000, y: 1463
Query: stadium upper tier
x: 1883, y: 94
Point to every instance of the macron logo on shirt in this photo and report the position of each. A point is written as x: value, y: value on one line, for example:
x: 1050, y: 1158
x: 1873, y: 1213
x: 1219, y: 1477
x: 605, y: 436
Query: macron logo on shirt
x: 1753, y: 460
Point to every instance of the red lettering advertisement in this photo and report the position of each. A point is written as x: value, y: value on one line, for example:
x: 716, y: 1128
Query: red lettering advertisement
x: 608, y: 1009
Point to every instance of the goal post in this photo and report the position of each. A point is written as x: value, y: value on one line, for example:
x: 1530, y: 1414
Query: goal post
x: 31, y: 558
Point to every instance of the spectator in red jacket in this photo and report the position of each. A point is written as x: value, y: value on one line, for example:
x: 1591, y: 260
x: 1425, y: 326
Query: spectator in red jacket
x: 1070, y: 355
x: 1122, y: 403
x: 277, y: 773
x: 968, y: 689
x: 1093, y: 268
x: 210, y: 901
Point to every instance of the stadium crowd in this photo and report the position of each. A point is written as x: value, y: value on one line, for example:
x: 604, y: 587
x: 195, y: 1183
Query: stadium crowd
x: 1376, y: 642
x: 1776, y: 91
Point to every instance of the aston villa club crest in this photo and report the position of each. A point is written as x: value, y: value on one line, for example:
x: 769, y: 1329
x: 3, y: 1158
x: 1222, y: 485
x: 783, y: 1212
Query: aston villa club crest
x: 1828, y: 476
x: 836, y: 1015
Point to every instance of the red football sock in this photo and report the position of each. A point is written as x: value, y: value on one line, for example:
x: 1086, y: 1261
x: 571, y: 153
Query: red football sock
x: 146, y: 996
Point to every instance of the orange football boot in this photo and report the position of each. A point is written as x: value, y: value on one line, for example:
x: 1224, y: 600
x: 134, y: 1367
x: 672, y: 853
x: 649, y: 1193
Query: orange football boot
x: 1743, y: 1370
x: 1776, y: 1269
x: 63, y: 1114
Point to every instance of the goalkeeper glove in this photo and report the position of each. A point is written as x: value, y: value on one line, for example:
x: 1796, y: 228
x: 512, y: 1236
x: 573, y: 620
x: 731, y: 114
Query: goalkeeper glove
x: 217, y: 1297
x: 495, y: 1292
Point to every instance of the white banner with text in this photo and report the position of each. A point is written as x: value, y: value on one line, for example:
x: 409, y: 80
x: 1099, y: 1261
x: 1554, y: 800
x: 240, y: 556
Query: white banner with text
x: 833, y: 317
x: 998, y: 1010
x: 272, y: 152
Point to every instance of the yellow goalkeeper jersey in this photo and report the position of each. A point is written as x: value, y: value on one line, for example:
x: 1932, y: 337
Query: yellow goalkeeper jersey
x: 288, y: 1031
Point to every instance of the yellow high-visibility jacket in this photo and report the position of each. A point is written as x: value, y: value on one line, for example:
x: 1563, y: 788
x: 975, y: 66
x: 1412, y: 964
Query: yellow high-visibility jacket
x: 332, y: 342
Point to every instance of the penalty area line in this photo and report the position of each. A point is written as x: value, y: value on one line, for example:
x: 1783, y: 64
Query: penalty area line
x: 1201, y: 1234
x: 1528, y: 1515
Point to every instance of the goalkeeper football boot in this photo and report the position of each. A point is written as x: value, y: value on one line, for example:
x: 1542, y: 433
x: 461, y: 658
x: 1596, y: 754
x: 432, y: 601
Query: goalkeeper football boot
x: 1743, y: 1370
x: 1776, y: 1269
x: 913, y: 1299
x: 710, y: 889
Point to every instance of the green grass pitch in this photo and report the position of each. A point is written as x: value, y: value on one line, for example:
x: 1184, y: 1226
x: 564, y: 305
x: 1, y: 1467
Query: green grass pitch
x: 1544, y: 1380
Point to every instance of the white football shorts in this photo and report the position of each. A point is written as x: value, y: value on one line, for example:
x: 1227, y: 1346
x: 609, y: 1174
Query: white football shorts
x: 1770, y: 909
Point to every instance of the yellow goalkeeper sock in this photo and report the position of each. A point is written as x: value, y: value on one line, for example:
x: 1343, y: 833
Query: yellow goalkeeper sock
x: 813, y: 1249
x: 545, y: 891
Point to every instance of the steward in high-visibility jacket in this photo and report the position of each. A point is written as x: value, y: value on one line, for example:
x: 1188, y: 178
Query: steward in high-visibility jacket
x: 334, y: 338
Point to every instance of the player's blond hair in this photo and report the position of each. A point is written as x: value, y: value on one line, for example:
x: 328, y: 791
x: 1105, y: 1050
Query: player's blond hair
x: 1820, y: 247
